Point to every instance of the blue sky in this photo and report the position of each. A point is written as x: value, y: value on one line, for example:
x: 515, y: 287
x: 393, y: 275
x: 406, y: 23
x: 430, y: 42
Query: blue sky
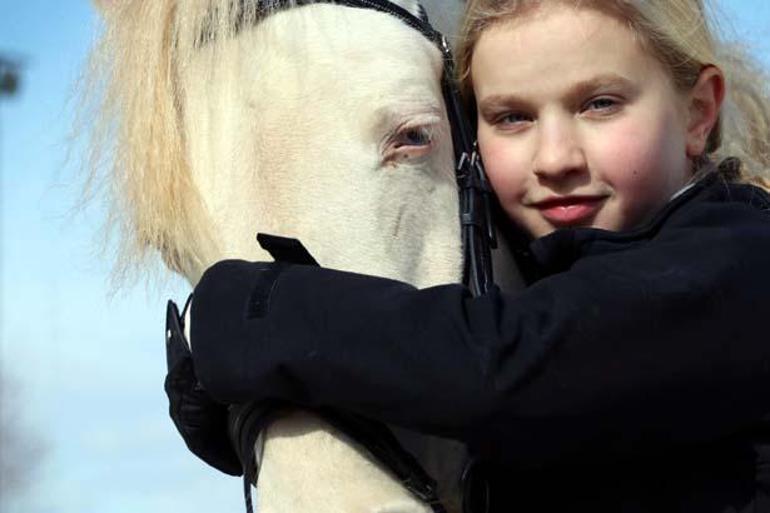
x: 87, y: 370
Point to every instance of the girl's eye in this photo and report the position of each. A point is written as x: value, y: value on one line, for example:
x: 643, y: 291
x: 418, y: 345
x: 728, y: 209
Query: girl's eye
x: 510, y: 123
x: 601, y: 105
x: 512, y: 118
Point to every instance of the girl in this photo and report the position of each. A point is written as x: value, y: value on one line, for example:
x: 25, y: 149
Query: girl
x: 632, y: 373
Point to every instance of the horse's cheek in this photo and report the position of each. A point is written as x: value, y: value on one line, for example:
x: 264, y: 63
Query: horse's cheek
x: 309, y: 466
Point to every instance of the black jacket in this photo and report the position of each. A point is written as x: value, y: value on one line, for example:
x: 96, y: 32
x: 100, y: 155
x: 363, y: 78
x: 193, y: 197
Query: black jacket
x: 634, y: 375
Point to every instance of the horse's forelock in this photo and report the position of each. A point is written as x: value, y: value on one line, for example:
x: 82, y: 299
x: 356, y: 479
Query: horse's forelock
x: 137, y: 146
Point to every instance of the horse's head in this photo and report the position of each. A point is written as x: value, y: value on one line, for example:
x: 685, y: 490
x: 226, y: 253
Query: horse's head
x: 320, y: 122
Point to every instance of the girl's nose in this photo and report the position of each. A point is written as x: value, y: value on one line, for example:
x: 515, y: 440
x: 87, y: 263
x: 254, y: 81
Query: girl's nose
x: 558, y: 152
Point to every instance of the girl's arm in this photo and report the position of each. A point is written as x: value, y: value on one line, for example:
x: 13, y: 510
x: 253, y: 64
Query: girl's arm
x: 662, y: 343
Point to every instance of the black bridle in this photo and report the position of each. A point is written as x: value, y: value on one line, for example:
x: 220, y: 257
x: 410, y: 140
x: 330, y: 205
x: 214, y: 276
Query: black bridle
x: 478, y: 233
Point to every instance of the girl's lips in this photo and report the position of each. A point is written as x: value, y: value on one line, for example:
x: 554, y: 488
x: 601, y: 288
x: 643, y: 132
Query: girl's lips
x: 570, y: 211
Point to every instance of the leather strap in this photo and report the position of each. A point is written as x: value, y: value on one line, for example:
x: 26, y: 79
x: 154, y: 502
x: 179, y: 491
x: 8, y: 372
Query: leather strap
x: 385, y: 448
x: 247, y: 421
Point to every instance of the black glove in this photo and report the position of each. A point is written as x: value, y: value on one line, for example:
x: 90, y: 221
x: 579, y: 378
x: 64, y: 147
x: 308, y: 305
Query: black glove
x: 202, y: 421
x: 223, y: 435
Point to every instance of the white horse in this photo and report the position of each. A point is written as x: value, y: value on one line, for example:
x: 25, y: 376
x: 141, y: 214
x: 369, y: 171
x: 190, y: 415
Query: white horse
x: 320, y: 122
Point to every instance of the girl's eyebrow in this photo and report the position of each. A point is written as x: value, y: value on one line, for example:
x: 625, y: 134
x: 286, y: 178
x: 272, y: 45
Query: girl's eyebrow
x: 576, y: 92
x: 599, y: 83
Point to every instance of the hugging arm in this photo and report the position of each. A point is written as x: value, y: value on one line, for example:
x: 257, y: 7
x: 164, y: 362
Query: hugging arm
x: 629, y: 347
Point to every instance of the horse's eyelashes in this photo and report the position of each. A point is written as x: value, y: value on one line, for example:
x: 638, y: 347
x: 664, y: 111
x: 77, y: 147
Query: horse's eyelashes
x: 417, y: 136
x: 409, y: 143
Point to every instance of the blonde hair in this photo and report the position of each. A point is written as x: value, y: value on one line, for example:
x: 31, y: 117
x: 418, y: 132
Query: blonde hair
x: 132, y: 116
x: 679, y: 34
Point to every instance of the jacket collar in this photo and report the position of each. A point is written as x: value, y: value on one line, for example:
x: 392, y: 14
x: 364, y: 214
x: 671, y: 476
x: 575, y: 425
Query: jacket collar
x: 557, y: 251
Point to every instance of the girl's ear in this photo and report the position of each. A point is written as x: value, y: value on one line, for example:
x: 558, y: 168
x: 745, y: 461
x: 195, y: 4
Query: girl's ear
x: 705, y: 102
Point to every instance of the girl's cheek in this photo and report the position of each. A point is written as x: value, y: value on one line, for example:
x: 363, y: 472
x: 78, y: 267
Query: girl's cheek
x: 503, y: 166
x: 488, y: 145
x: 642, y: 162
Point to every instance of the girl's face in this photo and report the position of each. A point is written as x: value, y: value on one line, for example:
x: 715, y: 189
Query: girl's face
x: 578, y: 124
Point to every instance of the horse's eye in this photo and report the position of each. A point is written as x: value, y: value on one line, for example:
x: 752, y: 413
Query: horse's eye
x: 418, y: 136
x: 408, y: 144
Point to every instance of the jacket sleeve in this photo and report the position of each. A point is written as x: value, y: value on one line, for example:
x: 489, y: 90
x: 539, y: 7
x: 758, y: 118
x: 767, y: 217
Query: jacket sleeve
x: 662, y: 344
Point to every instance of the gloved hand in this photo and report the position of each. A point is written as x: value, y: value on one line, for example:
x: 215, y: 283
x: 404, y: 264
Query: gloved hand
x: 223, y: 435
x: 237, y: 362
x: 202, y: 421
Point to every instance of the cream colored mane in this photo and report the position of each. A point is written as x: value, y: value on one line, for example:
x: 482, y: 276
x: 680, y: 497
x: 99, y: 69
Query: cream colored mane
x: 137, y: 134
